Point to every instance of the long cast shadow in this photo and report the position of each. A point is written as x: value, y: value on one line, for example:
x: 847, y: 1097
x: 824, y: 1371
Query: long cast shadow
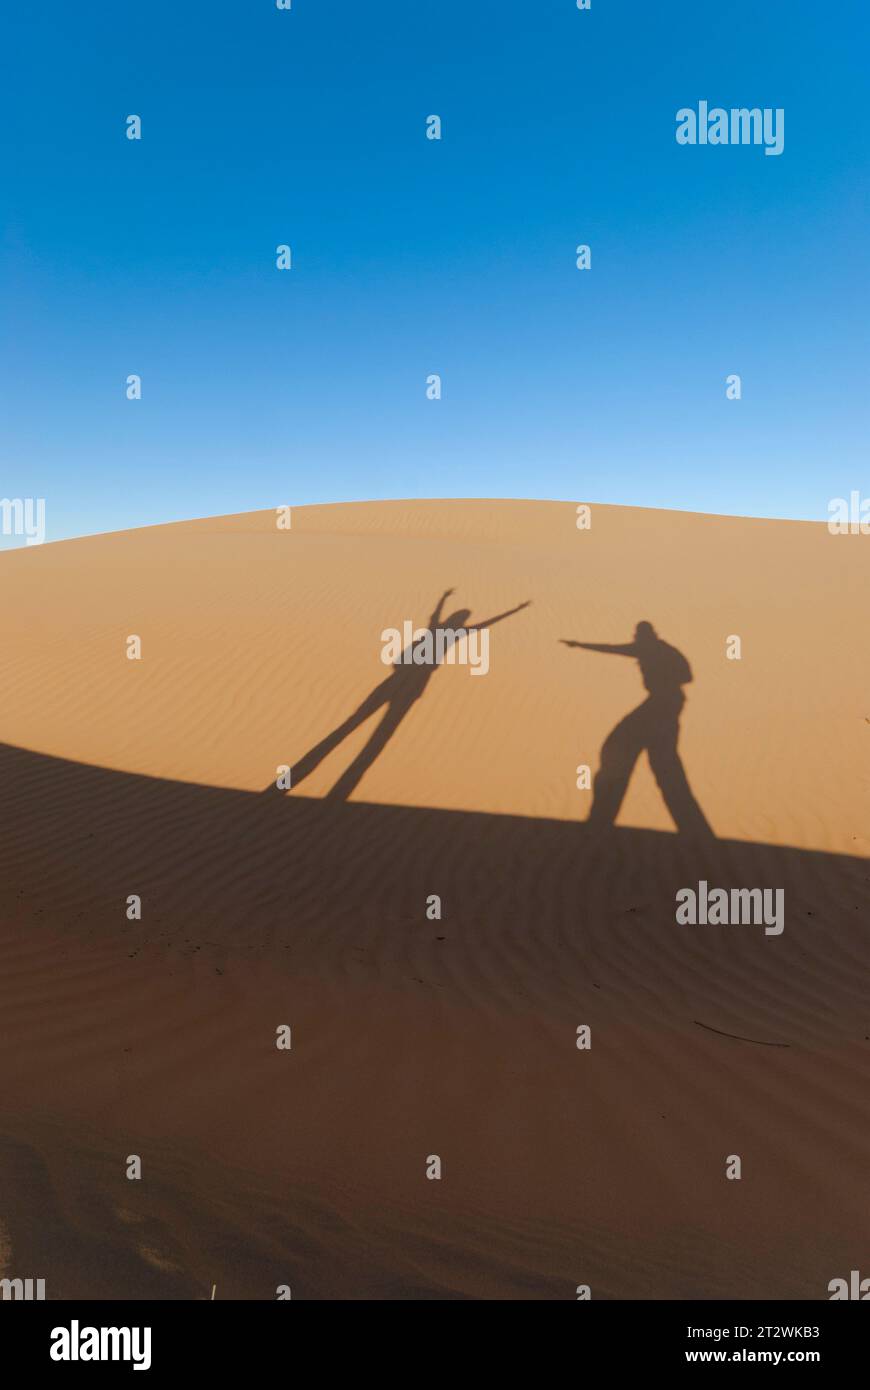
x: 234, y: 866
x: 396, y: 695
x: 539, y: 915
x: 653, y: 726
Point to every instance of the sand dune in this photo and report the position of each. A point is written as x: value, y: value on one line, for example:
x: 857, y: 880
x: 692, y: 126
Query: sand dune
x: 413, y: 1036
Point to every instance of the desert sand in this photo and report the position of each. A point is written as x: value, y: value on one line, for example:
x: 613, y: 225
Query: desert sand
x: 414, y: 1036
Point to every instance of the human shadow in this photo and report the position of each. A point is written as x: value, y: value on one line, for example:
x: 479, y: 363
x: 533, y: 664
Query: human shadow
x: 398, y: 694
x: 653, y: 726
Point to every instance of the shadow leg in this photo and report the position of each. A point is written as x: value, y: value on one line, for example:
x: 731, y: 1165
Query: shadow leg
x: 619, y: 753
x: 667, y: 768
x: 307, y: 764
x: 354, y: 774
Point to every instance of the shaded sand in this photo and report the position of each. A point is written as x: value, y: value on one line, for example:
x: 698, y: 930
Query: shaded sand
x: 413, y: 1037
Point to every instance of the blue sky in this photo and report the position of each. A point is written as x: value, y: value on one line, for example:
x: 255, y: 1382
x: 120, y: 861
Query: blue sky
x: 412, y: 256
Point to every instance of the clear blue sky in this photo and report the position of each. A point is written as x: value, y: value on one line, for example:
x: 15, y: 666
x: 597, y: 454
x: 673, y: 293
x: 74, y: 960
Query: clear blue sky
x: 411, y: 256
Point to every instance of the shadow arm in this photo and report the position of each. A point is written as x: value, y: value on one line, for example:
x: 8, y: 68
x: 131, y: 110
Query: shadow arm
x: 491, y: 622
x: 436, y: 614
x: 613, y: 649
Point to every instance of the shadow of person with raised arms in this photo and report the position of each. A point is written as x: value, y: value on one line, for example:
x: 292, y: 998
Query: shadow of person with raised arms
x: 399, y: 692
x: 654, y: 726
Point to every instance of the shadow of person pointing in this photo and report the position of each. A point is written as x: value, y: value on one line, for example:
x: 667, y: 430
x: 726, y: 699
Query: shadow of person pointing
x: 654, y: 726
x: 398, y: 693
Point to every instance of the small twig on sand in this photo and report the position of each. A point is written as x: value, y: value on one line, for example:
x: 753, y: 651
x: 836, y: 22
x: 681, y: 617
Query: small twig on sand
x: 759, y: 1041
